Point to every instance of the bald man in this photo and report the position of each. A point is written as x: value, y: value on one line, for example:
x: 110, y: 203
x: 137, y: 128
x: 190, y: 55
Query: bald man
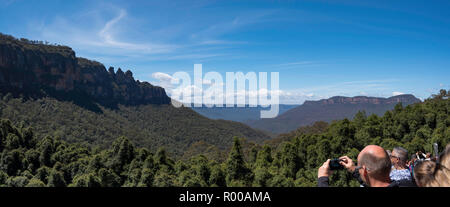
x: 374, y: 166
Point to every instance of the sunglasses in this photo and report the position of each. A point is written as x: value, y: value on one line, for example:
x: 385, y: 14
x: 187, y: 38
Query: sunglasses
x: 392, y: 156
x: 360, y: 167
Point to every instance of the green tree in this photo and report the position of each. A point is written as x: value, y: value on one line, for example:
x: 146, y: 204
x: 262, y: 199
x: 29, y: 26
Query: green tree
x: 34, y: 182
x: 164, y: 178
x: 86, y: 180
x: 18, y: 181
x: 123, y: 153
x: 46, y: 147
x: 217, y: 177
x: 3, y: 178
x: 56, y: 179
x: 147, y: 178
x: 236, y: 168
x: 108, y: 178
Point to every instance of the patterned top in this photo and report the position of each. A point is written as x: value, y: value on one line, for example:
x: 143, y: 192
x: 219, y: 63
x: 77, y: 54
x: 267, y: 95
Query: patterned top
x: 397, y: 175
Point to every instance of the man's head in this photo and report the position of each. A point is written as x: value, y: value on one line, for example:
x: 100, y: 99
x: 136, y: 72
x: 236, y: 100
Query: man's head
x: 413, y: 157
x: 374, y: 164
x: 399, y: 156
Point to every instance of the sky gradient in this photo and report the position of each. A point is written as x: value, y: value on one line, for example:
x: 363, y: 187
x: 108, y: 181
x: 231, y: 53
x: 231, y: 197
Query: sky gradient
x: 321, y: 48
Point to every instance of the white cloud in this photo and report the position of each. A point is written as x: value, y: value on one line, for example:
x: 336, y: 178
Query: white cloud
x: 293, y: 96
x: 395, y: 93
x: 162, y: 76
x: 195, y: 93
x: 164, y: 80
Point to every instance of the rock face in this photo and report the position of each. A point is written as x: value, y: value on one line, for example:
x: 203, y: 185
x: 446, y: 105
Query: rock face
x: 34, y: 69
x: 334, y: 108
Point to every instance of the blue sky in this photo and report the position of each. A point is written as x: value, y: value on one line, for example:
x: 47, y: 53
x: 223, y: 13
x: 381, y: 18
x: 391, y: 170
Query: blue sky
x: 321, y: 48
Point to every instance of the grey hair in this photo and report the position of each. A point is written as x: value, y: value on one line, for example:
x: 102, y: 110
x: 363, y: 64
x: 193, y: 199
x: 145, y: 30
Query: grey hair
x: 389, y: 152
x: 402, y: 153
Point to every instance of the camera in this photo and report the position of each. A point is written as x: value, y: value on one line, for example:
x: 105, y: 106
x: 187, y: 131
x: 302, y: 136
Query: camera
x: 335, y: 165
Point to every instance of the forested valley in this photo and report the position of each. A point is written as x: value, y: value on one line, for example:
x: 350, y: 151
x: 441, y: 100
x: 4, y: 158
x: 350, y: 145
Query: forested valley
x: 291, y: 160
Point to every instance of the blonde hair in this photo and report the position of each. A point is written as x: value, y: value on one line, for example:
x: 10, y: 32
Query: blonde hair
x: 424, y: 172
x: 431, y: 174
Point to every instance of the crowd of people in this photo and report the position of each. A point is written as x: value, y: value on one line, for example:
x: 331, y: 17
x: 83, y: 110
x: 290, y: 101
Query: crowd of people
x: 377, y: 167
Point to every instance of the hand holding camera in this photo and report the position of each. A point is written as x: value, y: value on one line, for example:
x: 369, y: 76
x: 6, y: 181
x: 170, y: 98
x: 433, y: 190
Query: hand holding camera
x: 343, y: 162
x: 335, y: 164
x: 324, y: 170
x: 347, y: 163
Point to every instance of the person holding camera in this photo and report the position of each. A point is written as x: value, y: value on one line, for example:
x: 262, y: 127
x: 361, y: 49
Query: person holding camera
x: 373, y: 169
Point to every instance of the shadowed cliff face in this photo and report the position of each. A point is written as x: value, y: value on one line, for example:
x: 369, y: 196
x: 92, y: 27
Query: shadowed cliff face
x: 36, y: 70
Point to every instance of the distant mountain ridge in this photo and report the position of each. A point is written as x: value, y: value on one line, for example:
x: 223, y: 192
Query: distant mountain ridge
x: 334, y: 108
x: 405, y: 98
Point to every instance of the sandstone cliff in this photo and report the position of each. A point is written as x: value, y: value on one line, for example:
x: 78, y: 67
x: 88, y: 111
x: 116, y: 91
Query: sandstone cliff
x: 35, y: 69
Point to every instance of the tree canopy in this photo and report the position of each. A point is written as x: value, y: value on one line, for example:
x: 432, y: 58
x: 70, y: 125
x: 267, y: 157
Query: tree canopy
x: 28, y: 161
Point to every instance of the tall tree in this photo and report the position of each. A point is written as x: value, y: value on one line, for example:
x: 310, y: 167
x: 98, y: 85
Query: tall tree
x: 236, y: 168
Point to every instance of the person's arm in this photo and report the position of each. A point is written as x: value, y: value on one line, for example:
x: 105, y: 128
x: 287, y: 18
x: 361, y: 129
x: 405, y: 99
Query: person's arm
x: 323, y: 174
x: 424, y: 155
x: 323, y: 182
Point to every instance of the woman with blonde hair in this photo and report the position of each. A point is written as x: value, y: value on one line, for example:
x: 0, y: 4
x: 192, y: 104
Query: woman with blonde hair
x: 432, y: 174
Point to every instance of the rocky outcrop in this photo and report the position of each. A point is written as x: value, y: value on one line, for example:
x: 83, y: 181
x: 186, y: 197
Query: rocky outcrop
x: 34, y: 69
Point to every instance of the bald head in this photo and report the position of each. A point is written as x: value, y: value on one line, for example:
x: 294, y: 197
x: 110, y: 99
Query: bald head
x: 376, y: 160
x: 374, y: 150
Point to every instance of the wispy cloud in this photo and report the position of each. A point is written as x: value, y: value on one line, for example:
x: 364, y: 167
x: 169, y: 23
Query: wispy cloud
x: 99, y: 38
x: 240, y: 21
x: 108, y: 39
x: 105, y: 34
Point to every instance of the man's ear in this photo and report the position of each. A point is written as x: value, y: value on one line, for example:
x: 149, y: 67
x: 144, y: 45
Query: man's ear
x: 365, y: 172
x: 365, y: 176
